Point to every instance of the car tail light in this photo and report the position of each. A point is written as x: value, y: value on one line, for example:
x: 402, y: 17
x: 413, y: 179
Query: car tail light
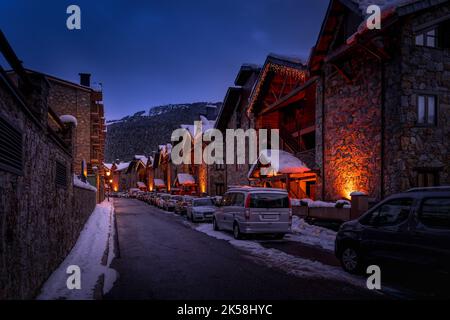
x: 247, y: 201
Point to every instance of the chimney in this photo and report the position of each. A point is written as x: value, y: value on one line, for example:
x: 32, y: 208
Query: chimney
x: 85, y: 79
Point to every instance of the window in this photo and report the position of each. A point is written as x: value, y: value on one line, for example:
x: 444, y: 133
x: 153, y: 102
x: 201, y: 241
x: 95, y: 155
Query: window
x: 10, y: 148
x: 435, y: 213
x: 220, y: 188
x: 61, y: 174
x: 427, y: 177
x: 220, y: 166
x: 427, y: 38
x: 389, y: 214
x: 269, y: 200
x: 228, y: 200
x: 426, y: 110
x: 239, y: 200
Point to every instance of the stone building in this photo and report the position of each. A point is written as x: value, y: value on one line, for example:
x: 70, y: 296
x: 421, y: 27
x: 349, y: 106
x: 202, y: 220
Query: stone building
x: 41, y: 211
x: 85, y: 104
x: 383, y: 99
x: 233, y: 115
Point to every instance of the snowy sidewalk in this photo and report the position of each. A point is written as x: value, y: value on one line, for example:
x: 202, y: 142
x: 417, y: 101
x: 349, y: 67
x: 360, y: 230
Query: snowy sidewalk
x: 95, y: 242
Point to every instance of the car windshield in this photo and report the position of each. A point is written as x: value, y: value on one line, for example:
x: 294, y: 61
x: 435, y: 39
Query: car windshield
x: 203, y: 203
x: 269, y: 200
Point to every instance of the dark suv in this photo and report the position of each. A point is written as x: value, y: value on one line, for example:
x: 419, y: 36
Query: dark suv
x: 412, y: 228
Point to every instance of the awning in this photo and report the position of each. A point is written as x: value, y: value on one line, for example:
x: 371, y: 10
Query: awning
x: 159, y: 183
x: 140, y: 184
x: 185, y: 179
x: 273, y: 165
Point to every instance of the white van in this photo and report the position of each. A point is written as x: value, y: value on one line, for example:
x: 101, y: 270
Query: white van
x: 248, y: 210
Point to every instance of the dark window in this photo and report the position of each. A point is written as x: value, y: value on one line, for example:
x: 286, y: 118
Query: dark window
x: 428, y: 38
x: 427, y: 178
x: 426, y: 110
x: 220, y: 189
x: 239, y: 200
x: 61, y: 174
x: 228, y: 200
x: 220, y: 166
x: 435, y: 213
x: 11, y: 148
x: 389, y: 214
x: 443, y: 35
x: 269, y: 200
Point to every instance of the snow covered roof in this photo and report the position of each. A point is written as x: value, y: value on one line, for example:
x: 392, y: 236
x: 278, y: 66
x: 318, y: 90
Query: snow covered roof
x: 140, y: 184
x: 144, y: 159
x: 83, y: 185
x: 122, y: 166
x: 67, y: 118
x: 159, y: 183
x: 108, y: 165
x: 185, y: 179
x: 287, y: 163
x: 206, y: 125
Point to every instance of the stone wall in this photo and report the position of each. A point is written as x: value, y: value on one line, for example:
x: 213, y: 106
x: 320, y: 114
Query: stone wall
x: 39, y: 220
x: 68, y: 99
x: 352, y: 129
x: 409, y: 146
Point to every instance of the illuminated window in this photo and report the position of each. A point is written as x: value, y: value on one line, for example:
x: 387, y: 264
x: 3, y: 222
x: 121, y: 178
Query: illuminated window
x: 427, y: 38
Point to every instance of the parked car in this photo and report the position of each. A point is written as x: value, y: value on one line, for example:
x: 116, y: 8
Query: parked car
x: 171, y: 202
x: 200, y: 209
x: 412, y: 228
x: 132, y: 193
x: 181, y: 206
x: 161, y: 200
x: 248, y: 210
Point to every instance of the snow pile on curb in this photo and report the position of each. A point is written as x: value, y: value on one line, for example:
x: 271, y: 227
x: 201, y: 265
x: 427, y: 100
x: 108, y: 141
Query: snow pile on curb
x: 320, y: 204
x: 96, y: 240
x: 313, y: 235
x: 83, y: 185
x: 288, y: 263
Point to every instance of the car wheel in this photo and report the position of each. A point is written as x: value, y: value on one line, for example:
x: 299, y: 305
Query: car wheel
x: 351, y: 260
x: 215, y: 225
x: 236, y: 232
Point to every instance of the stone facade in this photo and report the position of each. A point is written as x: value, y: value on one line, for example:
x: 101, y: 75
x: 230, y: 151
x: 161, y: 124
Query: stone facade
x: 368, y: 137
x: 40, y: 219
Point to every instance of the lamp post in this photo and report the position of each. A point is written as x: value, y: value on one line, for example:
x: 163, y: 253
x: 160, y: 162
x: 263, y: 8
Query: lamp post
x: 108, y: 173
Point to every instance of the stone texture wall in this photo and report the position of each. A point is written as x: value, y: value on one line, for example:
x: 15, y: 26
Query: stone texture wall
x: 421, y: 70
x: 352, y: 129
x: 66, y: 99
x: 39, y: 221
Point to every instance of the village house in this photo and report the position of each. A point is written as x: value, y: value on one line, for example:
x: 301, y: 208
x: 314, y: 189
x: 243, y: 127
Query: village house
x: 85, y: 105
x: 383, y: 99
x: 283, y: 99
x: 43, y: 208
x: 233, y: 115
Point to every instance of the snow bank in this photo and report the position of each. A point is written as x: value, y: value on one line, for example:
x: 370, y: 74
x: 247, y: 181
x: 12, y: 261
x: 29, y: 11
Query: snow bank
x: 274, y: 258
x: 320, y: 204
x: 67, y: 118
x: 312, y: 235
x: 94, y: 241
x: 84, y: 185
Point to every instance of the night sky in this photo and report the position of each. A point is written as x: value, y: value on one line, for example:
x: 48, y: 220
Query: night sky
x: 149, y: 53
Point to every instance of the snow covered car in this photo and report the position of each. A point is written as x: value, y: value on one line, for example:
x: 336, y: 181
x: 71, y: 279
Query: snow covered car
x: 170, y: 203
x: 181, y: 206
x: 201, y: 209
x: 248, y: 210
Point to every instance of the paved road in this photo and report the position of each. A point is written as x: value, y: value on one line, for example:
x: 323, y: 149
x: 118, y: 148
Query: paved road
x: 163, y: 258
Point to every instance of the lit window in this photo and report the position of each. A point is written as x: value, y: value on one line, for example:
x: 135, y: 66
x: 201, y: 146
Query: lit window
x: 426, y: 110
x: 427, y: 38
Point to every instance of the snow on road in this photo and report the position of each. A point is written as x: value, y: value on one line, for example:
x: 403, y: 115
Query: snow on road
x: 312, y: 235
x: 96, y: 237
x: 288, y: 263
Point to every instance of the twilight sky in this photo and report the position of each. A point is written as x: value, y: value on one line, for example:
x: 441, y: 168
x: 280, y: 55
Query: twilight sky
x: 149, y: 53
